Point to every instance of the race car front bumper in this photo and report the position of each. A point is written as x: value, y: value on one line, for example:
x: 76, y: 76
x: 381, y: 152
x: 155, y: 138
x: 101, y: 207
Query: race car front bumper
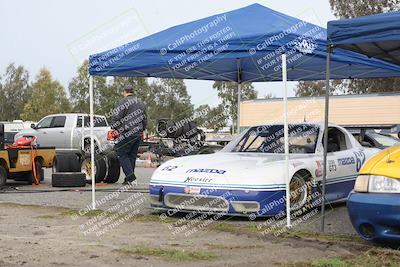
x: 212, y: 200
x: 376, y: 217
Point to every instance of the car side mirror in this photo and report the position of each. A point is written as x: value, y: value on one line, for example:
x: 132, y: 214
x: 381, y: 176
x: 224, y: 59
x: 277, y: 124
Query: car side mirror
x: 33, y: 126
x: 365, y: 144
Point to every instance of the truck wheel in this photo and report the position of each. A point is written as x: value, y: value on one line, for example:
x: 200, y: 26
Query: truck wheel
x: 100, y: 168
x: 114, y: 169
x: 39, y: 173
x: 68, y: 179
x: 66, y: 163
x: 3, y: 176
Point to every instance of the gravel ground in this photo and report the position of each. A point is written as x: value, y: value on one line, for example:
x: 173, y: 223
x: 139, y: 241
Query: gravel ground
x: 337, y: 220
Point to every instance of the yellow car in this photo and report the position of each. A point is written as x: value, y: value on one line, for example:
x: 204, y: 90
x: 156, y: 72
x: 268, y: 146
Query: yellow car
x: 374, y: 205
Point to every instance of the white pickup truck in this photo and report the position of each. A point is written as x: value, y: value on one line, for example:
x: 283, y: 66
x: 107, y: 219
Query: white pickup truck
x: 70, y: 133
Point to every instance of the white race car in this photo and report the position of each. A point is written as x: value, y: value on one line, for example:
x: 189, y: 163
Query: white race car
x: 247, y: 177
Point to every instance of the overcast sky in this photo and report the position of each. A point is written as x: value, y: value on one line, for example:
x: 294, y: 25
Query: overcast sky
x: 60, y: 34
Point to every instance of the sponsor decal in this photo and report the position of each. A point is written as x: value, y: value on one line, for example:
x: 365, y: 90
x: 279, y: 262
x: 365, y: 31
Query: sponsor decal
x: 346, y: 161
x: 360, y: 159
x: 332, y: 166
x: 169, y: 168
x: 198, y: 179
x: 215, y: 171
x: 192, y: 190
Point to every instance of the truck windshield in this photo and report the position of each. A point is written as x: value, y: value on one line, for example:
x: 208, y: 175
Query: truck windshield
x: 270, y: 139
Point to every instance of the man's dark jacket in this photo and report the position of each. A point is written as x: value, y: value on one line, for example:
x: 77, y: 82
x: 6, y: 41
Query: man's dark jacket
x: 129, y: 117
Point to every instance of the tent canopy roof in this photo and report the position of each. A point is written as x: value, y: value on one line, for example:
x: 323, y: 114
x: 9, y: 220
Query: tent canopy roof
x: 375, y: 35
x: 241, y: 45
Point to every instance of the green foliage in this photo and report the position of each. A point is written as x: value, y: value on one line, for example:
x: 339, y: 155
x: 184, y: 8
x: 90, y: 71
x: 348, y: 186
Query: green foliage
x: 47, y: 97
x: 317, y: 88
x: 14, y: 92
x: 169, y: 99
x: 211, y: 118
x: 227, y: 92
x: 79, y: 89
x: 355, y: 8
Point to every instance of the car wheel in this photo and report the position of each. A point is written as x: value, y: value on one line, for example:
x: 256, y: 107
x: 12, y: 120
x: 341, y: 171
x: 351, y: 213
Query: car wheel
x: 66, y: 163
x: 100, y: 168
x: 68, y: 179
x: 114, y: 169
x: 300, y: 191
x: 3, y: 176
x: 39, y: 173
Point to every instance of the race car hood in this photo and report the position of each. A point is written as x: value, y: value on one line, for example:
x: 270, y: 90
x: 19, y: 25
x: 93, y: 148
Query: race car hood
x: 227, y: 170
x: 385, y: 163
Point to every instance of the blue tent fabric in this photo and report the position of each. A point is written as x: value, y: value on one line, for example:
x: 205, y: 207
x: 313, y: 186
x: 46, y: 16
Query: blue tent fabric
x: 241, y: 45
x: 376, y: 36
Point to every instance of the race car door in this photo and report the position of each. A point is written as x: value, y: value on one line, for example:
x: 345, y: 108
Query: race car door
x: 342, y: 165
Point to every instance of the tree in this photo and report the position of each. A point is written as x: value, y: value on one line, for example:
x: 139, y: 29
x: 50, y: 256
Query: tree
x: 354, y: 8
x: 227, y: 92
x: 112, y: 93
x: 47, y: 97
x: 79, y: 90
x: 14, y: 92
x: 211, y: 118
x: 317, y: 88
x: 172, y: 99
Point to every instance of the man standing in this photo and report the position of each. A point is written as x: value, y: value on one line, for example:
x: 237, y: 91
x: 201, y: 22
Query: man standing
x: 130, y: 120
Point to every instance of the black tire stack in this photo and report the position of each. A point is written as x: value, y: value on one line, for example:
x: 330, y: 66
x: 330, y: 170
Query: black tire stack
x: 107, y: 168
x: 67, y: 171
x: 70, y: 171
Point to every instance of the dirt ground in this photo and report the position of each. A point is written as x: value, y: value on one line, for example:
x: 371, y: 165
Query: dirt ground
x: 54, y: 236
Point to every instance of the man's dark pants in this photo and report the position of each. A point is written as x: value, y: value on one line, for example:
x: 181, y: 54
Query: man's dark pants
x: 127, y: 150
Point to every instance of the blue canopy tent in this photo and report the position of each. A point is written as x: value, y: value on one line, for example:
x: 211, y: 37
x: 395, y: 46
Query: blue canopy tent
x: 375, y: 36
x: 251, y: 44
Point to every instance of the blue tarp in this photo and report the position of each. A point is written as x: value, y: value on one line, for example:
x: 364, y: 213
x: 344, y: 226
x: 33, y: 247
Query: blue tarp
x: 248, y: 41
x: 375, y: 36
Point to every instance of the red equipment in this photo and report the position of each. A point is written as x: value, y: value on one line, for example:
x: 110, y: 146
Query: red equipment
x: 28, y: 142
x: 112, y: 135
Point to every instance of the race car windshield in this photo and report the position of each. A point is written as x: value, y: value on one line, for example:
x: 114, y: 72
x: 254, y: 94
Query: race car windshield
x: 270, y: 139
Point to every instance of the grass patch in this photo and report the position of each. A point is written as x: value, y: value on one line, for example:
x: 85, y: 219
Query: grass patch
x: 251, y: 229
x: 371, y: 258
x: 169, y: 254
x: 319, y: 236
x: 220, y: 246
x: 47, y: 216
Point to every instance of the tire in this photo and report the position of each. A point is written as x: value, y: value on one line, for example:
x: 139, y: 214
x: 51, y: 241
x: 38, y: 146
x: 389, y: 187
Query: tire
x: 39, y: 172
x: 68, y: 179
x: 114, y: 169
x: 301, y: 192
x: 3, y: 176
x: 100, y: 168
x: 66, y: 163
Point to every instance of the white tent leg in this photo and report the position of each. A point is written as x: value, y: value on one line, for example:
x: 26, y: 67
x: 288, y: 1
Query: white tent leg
x: 238, y: 108
x: 286, y: 136
x: 326, y: 128
x: 92, y: 142
x: 239, y: 94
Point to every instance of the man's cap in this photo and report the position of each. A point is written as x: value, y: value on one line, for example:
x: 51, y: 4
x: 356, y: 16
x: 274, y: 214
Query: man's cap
x: 128, y: 89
